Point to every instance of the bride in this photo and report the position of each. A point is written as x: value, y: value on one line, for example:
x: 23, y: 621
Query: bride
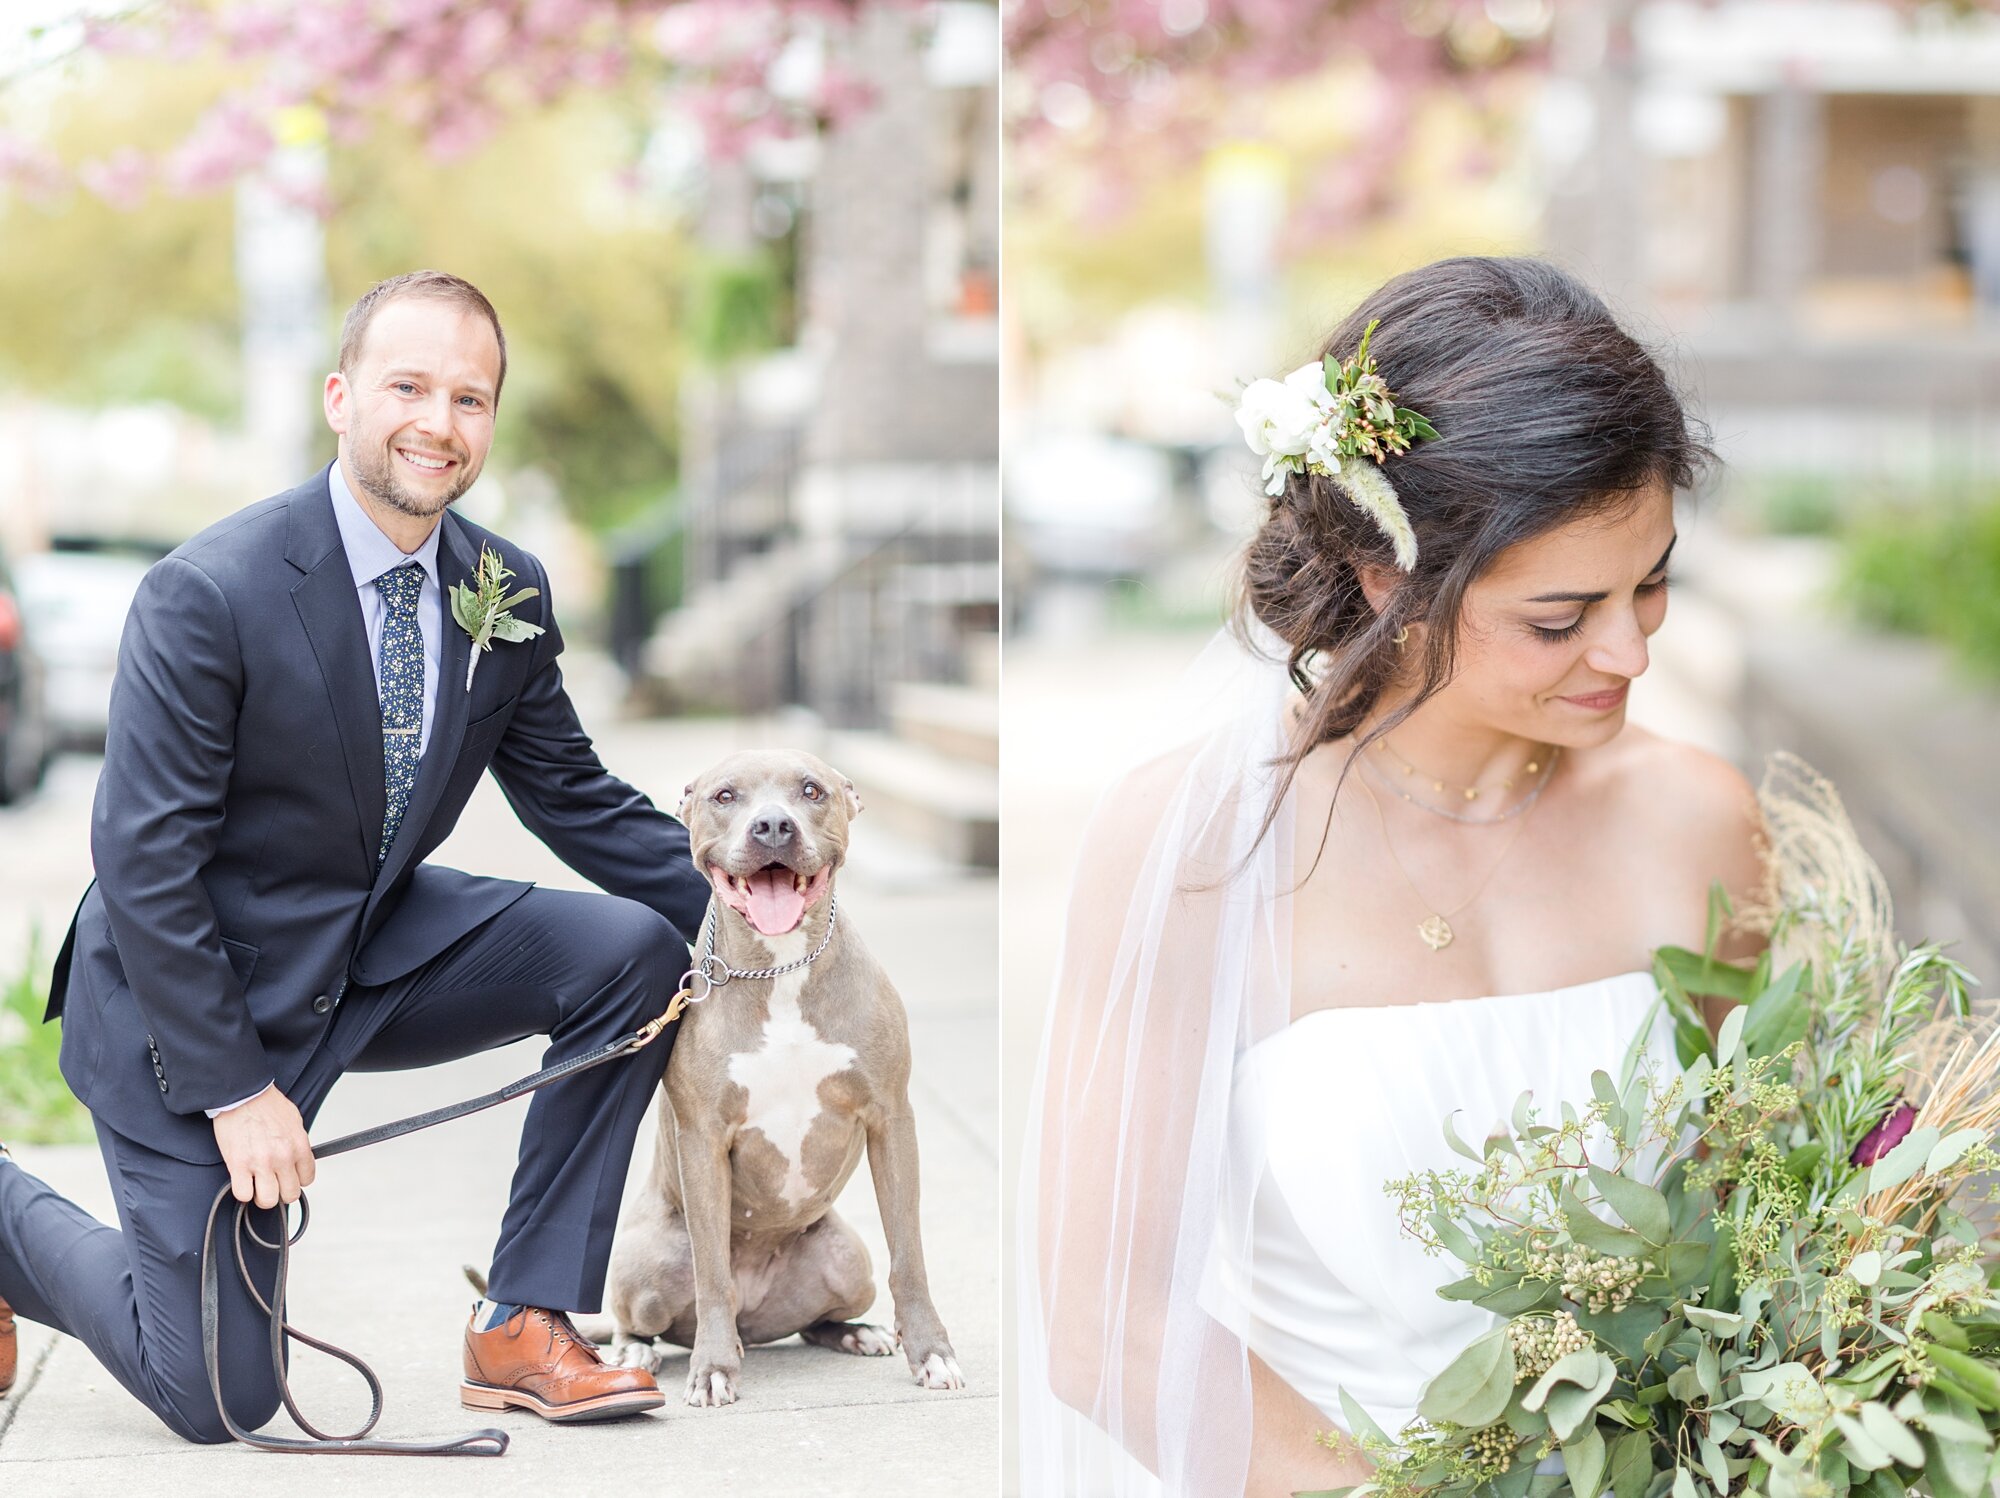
x: 1415, y: 861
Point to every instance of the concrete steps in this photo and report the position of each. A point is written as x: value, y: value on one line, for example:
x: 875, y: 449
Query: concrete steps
x: 946, y: 804
x: 706, y: 654
x: 959, y: 722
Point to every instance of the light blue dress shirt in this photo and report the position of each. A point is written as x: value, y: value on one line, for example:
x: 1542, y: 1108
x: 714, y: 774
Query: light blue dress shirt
x: 370, y: 553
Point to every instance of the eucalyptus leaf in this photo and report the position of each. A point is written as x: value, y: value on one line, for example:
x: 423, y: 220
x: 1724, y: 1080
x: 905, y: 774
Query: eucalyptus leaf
x: 1684, y: 1486
x: 1730, y: 1035
x: 1359, y: 1422
x: 1706, y: 1373
x: 1787, y: 1389
x: 1603, y: 1088
x: 1716, y: 1464
x: 1629, y: 1465
x: 1643, y: 1209
x: 1777, y: 1016
x: 1583, y: 1459
x: 1953, y: 1148
x: 1862, y: 1449
x: 515, y: 630
x: 1891, y: 1434
x: 1954, y: 1469
x: 1520, y: 1298
x: 1803, y: 1161
x: 1457, y: 1145
x: 1473, y: 1389
x: 1865, y: 1268
x: 1978, y: 1378
x: 1587, y: 1368
x: 1522, y: 1123
x: 1697, y: 973
x: 1723, y: 1323
x: 1592, y: 1231
x: 1904, y: 1161
x: 1570, y: 1406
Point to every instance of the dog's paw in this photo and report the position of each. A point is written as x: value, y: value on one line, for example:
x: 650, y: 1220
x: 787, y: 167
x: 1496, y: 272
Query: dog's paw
x: 940, y: 1371
x: 709, y: 1386
x: 634, y: 1353
x: 866, y: 1341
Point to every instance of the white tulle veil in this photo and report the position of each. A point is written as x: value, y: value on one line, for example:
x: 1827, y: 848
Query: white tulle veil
x: 1175, y: 957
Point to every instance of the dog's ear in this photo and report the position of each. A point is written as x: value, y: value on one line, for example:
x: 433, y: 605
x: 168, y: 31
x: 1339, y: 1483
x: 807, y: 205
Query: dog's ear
x: 687, y: 801
x: 853, y: 796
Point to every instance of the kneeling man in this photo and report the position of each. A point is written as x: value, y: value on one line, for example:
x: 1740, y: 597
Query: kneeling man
x: 297, y: 722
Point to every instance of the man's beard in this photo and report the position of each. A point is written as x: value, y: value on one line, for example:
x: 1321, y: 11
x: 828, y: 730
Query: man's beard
x: 376, y: 472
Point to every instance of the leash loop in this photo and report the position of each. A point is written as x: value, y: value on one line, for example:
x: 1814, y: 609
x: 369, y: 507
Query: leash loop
x: 487, y: 1442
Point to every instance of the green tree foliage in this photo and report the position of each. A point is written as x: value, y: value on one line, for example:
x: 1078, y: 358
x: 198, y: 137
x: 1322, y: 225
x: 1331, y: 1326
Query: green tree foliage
x: 604, y: 297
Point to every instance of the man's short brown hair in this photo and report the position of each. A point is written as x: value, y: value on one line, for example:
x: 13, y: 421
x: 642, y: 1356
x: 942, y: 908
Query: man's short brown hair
x: 435, y: 285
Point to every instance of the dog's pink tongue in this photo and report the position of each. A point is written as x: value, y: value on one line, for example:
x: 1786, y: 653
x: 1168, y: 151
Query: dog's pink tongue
x: 775, y: 906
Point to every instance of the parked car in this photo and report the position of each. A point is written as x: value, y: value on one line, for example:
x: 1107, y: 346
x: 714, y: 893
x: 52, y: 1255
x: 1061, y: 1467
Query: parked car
x: 27, y: 743
x: 76, y: 597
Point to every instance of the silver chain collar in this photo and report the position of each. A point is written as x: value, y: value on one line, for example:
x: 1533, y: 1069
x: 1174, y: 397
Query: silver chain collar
x: 714, y: 972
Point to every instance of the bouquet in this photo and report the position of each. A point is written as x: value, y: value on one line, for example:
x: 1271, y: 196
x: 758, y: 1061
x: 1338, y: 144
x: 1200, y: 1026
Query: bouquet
x: 1762, y: 1274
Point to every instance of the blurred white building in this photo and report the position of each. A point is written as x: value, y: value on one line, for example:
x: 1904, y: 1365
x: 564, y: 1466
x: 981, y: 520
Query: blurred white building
x: 1805, y: 196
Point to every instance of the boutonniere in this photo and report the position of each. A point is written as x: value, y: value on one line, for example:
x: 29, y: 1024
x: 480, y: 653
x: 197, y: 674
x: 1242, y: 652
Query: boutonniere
x: 481, y: 611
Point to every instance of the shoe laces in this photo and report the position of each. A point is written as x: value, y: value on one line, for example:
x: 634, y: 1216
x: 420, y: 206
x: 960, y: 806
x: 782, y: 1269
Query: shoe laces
x: 559, y: 1329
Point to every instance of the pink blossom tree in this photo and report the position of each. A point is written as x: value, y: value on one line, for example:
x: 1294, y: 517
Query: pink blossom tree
x: 447, y: 72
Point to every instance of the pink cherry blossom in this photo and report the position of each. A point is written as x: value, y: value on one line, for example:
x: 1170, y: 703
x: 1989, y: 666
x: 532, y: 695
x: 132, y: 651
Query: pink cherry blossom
x: 450, y: 72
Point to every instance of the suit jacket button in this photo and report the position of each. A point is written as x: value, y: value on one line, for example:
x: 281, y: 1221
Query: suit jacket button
x: 322, y: 1004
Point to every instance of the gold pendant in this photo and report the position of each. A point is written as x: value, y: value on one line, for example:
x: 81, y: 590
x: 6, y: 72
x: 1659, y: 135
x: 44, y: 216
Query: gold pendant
x: 1435, y: 932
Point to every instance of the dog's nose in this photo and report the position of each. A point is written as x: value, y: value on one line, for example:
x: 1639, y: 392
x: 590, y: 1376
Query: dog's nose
x: 774, y: 829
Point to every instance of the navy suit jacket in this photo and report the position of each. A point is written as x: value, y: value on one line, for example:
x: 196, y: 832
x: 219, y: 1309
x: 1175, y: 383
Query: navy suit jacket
x: 240, y: 809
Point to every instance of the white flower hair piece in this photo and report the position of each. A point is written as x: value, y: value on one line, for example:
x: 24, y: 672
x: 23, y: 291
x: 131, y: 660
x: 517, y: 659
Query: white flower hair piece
x: 1329, y: 418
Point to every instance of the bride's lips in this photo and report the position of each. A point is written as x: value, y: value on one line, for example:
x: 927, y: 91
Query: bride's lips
x: 1599, y: 702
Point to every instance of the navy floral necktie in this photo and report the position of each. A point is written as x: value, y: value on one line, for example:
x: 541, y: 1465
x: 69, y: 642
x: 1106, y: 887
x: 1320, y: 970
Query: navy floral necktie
x: 401, y: 670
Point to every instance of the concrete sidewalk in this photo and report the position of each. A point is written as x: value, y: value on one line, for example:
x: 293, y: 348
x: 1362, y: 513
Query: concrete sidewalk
x: 379, y: 1269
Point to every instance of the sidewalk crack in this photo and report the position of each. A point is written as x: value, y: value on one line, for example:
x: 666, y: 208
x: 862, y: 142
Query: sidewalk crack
x: 10, y: 1407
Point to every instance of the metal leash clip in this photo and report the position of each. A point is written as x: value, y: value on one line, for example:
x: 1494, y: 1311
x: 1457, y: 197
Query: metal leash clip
x: 684, y: 995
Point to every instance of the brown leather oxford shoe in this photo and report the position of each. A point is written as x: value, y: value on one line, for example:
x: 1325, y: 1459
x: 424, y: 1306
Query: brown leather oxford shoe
x: 535, y: 1360
x: 9, y: 1347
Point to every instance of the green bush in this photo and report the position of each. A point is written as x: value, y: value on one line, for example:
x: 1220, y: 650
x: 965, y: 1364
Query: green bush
x: 36, y: 1105
x: 1932, y: 571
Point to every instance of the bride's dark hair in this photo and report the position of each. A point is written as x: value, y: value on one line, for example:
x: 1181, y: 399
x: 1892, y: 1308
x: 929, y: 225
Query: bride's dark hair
x: 1547, y: 412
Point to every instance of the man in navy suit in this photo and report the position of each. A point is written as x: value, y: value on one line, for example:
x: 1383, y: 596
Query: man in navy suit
x: 292, y: 733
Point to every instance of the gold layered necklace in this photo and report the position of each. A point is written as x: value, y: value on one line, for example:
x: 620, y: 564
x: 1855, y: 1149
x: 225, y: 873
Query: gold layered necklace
x: 1435, y: 928
x: 1543, y: 762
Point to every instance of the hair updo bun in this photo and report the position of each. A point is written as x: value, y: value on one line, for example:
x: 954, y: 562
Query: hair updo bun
x: 1547, y: 413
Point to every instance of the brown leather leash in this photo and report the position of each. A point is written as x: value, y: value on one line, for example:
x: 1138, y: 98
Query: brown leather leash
x: 487, y: 1442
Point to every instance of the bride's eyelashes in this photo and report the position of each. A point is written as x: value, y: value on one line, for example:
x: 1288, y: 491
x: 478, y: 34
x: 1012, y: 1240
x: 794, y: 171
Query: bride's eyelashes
x: 1570, y: 631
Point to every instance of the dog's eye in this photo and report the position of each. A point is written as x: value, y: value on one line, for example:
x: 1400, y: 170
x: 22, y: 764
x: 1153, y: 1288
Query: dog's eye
x: 812, y: 791
x: 724, y: 796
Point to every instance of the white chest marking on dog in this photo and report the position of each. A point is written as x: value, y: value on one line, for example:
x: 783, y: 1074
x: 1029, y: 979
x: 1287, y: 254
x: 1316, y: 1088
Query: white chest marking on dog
x: 782, y: 1076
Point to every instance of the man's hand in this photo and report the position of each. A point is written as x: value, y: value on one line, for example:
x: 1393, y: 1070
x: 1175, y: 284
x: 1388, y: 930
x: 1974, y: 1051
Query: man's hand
x: 264, y: 1145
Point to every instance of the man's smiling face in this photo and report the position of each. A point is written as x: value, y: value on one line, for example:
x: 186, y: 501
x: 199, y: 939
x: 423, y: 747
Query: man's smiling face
x: 415, y: 412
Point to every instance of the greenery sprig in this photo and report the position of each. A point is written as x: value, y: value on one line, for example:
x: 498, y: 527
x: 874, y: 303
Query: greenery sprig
x: 481, y: 611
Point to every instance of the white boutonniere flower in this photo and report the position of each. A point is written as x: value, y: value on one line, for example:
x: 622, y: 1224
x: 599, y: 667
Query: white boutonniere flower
x: 481, y: 611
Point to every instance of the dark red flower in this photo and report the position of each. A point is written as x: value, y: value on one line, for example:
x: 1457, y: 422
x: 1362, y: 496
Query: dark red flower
x: 1886, y: 1135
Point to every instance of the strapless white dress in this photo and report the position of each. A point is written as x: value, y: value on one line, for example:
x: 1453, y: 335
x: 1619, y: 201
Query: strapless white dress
x: 1332, y: 1293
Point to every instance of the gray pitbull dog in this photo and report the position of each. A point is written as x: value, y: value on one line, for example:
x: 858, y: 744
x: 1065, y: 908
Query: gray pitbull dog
x: 774, y: 1087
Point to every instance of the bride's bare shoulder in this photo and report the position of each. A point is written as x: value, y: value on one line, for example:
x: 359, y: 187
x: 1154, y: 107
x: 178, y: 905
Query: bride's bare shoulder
x: 1683, y: 804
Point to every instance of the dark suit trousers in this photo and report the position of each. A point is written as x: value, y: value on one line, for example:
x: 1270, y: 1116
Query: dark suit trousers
x: 582, y: 969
